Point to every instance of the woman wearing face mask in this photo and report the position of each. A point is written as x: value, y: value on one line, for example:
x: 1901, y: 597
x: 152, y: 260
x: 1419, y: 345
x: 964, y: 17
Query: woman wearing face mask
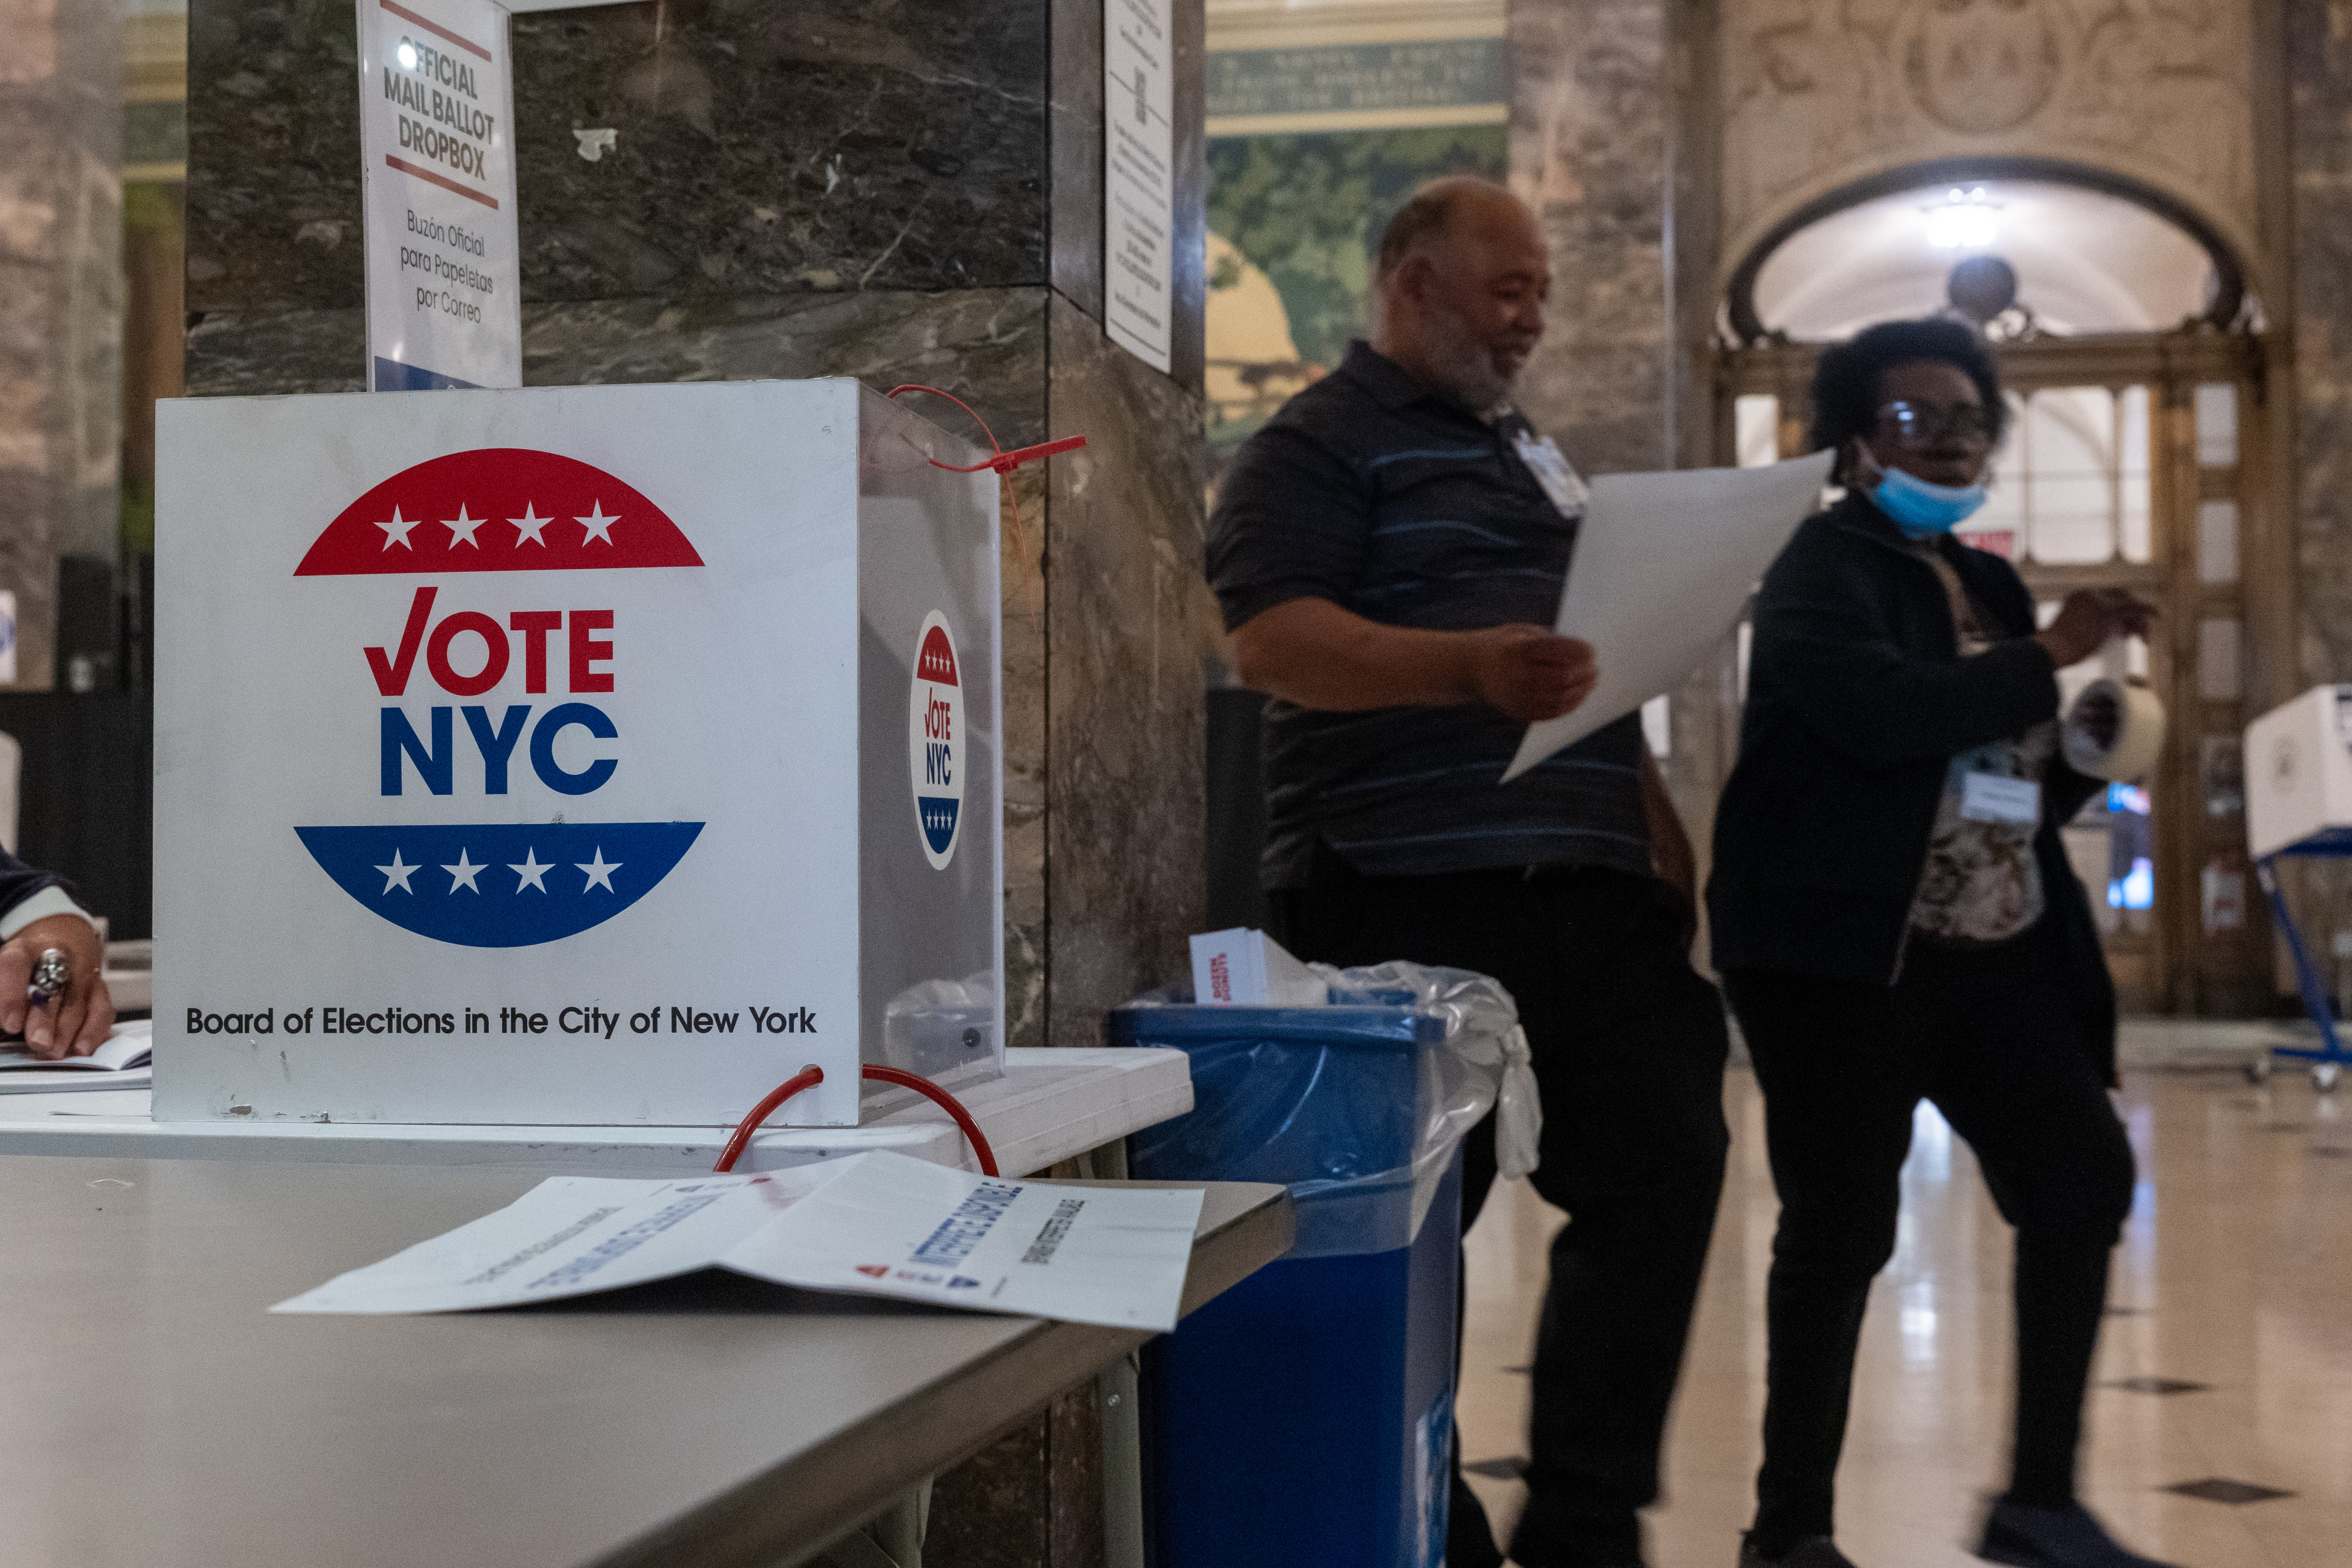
x: 1895, y: 918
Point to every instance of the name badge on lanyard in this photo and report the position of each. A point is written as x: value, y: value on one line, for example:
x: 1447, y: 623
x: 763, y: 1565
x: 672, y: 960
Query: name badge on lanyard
x: 1995, y: 797
x: 1566, y: 487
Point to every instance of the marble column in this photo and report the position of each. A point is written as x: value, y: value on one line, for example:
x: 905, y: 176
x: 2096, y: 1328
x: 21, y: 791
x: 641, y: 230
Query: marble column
x: 895, y: 190
x: 1588, y: 151
x: 60, y: 328
x: 2317, y: 472
x: 1604, y: 147
x: 2319, y: 51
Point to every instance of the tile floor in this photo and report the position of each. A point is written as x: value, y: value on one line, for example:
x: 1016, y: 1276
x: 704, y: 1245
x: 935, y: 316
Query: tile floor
x: 2235, y: 1275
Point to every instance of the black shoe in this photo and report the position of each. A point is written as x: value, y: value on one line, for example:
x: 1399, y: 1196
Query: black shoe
x: 1813, y: 1552
x: 2065, y: 1537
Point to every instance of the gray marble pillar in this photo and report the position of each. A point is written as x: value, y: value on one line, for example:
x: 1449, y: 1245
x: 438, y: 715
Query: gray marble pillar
x: 1588, y: 151
x: 2320, y: 62
x: 1600, y: 146
x: 61, y: 326
x: 1128, y: 627
x: 2318, y: 502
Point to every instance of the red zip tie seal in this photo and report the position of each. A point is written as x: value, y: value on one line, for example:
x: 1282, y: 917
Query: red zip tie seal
x: 810, y: 1076
x: 1003, y: 463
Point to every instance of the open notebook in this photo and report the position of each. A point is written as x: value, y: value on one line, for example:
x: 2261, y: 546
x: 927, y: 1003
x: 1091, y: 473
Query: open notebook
x: 121, y: 1063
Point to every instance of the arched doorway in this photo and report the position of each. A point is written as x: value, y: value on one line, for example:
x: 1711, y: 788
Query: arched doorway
x: 2139, y: 457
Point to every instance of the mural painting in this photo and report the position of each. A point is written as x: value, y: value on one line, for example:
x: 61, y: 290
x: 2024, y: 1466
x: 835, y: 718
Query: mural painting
x: 1292, y: 221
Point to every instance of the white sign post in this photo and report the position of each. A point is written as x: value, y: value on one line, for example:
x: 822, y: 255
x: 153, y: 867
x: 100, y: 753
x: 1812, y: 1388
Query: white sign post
x: 436, y: 139
x: 572, y: 754
x: 1139, y: 176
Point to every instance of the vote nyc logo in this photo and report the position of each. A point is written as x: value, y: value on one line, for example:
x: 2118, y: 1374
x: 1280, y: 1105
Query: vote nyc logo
x: 935, y: 741
x: 510, y: 704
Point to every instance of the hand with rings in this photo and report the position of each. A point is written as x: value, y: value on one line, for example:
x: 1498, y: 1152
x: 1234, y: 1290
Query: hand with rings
x: 51, y: 990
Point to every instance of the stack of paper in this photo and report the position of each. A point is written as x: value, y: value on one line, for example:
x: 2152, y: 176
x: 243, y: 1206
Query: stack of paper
x: 877, y: 1224
x: 121, y: 1063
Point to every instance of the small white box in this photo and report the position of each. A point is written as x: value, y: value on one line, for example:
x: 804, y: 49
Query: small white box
x: 1246, y: 968
x: 2299, y: 773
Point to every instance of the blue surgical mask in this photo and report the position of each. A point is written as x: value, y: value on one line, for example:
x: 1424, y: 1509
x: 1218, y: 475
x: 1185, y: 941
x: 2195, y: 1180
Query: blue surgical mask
x: 1922, y: 510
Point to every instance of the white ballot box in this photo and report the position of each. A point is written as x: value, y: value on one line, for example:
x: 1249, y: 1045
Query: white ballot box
x: 571, y: 756
x: 2299, y: 773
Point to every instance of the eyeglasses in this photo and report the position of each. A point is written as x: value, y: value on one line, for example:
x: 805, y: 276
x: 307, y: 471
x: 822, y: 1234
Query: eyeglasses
x: 1916, y: 424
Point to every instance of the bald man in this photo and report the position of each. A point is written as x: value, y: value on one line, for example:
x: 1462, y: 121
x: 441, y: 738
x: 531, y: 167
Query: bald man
x: 1389, y: 552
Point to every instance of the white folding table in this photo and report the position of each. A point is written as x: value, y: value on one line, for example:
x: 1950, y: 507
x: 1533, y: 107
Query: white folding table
x: 157, y: 1414
x: 1052, y: 1104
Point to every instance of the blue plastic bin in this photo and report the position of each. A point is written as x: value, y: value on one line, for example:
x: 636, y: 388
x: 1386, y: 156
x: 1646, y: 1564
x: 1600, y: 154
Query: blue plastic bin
x: 1306, y: 1417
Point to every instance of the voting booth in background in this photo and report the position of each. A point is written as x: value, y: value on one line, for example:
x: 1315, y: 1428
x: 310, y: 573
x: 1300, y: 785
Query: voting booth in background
x: 2299, y: 804
x: 591, y: 755
x: 2299, y: 776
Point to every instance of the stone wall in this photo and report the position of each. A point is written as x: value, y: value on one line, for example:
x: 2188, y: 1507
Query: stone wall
x: 60, y: 297
x: 1816, y: 94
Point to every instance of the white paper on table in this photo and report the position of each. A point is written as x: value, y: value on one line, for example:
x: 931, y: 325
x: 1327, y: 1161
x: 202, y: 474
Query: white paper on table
x: 879, y: 1224
x: 896, y: 1226
x: 127, y: 1045
x: 1664, y: 563
x: 569, y: 1236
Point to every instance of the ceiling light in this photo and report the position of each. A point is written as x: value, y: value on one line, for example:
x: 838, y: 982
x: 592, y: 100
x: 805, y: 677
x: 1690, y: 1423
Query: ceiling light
x: 1964, y: 220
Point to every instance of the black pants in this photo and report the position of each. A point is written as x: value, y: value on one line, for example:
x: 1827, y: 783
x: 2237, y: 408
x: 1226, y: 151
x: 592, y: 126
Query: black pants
x: 1993, y: 1037
x: 1629, y: 1045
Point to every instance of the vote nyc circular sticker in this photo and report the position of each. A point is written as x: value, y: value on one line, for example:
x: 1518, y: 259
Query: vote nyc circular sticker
x: 935, y: 741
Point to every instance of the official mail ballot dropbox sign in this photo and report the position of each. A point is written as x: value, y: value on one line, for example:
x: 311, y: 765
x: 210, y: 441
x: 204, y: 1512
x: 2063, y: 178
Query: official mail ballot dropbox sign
x: 436, y: 144
x: 581, y: 755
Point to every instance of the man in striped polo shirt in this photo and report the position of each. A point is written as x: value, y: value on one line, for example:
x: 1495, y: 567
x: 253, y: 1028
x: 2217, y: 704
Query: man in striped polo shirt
x: 1389, y: 552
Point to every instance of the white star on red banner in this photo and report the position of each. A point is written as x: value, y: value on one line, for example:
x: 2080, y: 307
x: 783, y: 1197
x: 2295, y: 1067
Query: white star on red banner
x: 396, y: 530
x: 599, y: 526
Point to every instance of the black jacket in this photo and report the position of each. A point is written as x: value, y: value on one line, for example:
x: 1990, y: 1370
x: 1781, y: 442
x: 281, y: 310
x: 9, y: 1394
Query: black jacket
x: 19, y: 881
x: 1857, y: 702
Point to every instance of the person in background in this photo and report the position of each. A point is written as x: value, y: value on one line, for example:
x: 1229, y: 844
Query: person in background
x: 38, y: 914
x: 1388, y: 552
x: 1894, y: 916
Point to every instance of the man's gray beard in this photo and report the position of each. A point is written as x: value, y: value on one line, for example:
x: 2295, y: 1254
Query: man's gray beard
x: 1463, y: 367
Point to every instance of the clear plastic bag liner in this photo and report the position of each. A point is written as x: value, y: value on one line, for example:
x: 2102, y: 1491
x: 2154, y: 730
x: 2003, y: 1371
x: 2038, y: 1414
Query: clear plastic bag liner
x: 1357, y: 1107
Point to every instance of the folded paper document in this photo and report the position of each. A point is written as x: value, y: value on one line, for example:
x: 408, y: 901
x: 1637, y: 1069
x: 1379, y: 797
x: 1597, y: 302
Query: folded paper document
x: 877, y: 1224
x: 1664, y: 565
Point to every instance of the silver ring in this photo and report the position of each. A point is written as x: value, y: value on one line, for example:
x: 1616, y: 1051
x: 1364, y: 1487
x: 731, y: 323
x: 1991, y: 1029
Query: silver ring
x: 51, y: 972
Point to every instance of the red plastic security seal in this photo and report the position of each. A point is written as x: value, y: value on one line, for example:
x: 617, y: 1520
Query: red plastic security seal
x: 1003, y: 463
x: 810, y: 1076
